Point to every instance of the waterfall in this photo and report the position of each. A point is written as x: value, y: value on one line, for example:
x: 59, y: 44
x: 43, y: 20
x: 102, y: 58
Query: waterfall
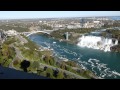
x: 96, y: 42
x: 116, y: 42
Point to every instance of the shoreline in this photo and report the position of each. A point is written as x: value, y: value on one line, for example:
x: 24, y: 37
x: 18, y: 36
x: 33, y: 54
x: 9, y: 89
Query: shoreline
x: 62, y: 59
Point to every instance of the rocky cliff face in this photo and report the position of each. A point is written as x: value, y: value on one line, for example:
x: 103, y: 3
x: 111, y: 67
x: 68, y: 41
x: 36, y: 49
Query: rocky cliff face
x: 115, y: 48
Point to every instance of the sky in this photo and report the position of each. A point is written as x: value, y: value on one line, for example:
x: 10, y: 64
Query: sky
x: 54, y: 14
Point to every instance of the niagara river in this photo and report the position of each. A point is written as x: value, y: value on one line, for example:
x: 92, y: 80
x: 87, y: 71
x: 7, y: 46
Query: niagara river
x: 103, y: 64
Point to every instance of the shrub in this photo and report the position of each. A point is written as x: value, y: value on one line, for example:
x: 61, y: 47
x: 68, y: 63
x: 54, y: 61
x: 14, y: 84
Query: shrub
x: 16, y: 62
x: 60, y: 75
x: 49, y: 72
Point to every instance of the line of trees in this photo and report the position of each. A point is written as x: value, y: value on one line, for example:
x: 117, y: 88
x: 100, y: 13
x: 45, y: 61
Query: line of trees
x: 6, y: 55
x: 59, y: 34
x: 18, y: 29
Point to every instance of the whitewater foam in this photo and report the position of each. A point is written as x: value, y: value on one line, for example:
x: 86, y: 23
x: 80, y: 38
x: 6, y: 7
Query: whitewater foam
x: 96, y: 42
x: 98, y: 68
x: 105, y: 72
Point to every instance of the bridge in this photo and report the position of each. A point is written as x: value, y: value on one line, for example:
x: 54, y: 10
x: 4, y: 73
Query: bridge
x: 33, y: 32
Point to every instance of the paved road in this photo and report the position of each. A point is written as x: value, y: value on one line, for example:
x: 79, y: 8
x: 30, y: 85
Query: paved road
x: 67, y: 72
x: 18, y: 54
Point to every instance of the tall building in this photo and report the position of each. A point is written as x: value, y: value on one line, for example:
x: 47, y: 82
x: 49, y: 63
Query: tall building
x: 0, y: 36
x: 82, y: 21
x: 66, y: 34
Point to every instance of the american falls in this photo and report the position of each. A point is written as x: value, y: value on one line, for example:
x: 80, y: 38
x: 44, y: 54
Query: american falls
x: 97, y: 42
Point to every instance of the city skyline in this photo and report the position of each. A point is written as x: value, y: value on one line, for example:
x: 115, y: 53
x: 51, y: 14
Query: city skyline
x: 54, y: 14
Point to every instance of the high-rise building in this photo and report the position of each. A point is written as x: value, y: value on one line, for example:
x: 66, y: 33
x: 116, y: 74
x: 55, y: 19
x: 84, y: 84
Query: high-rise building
x: 66, y: 35
x: 0, y: 35
x: 82, y: 21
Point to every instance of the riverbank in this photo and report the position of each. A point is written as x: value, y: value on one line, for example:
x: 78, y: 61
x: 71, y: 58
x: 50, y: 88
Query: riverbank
x: 73, y: 40
x: 42, y: 62
x: 74, y: 34
x: 60, y: 64
x: 99, y: 62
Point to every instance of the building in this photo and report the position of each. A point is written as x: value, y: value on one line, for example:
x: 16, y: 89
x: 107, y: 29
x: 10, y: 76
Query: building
x: 67, y: 35
x: 11, y: 32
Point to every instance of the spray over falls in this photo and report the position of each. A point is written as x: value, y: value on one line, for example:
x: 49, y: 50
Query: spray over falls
x: 96, y: 42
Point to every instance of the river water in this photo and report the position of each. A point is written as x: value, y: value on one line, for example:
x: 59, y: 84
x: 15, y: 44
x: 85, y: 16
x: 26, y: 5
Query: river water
x: 103, y: 64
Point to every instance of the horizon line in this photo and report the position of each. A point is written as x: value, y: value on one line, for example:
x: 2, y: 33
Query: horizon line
x: 55, y: 17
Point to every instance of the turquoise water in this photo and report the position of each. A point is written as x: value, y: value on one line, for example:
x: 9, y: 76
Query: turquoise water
x: 103, y: 64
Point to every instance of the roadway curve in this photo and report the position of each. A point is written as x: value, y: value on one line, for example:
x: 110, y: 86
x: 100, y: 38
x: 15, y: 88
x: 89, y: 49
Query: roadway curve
x: 65, y: 71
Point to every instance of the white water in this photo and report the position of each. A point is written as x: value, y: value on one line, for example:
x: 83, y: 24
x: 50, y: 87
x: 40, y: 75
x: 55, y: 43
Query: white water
x: 96, y: 42
x: 98, y: 62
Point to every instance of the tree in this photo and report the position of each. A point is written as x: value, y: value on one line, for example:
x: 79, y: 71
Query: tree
x: 16, y: 62
x: 5, y: 50
x: 24, y: 65
x: 46, y: 59
x: 71, y: 63
x: 49, y: 72
x: 62, y: 66
x: 1, y: 57
x: 68, y: 68
x: 11, y: 52
x: 7, y: 62
x: 52, y: 61
x: 104, y: 34
x: 60, y: 75
x: 43, y: 73
x: 35, y: 65
x: 86, y: 74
